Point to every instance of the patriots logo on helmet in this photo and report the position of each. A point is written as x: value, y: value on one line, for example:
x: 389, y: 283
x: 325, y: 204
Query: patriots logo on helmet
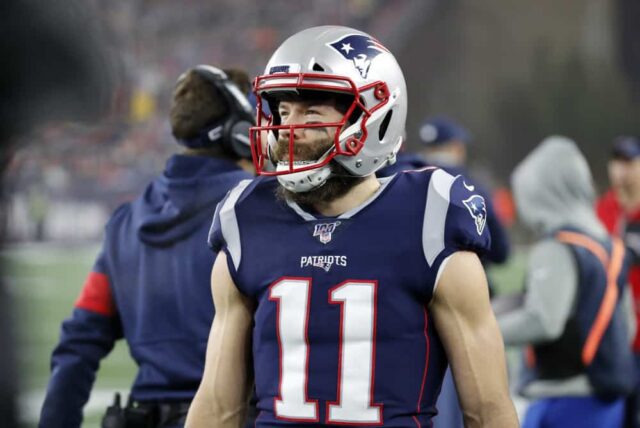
x: 360, y: 49
x: 324, y: 231
x: 478, y: 210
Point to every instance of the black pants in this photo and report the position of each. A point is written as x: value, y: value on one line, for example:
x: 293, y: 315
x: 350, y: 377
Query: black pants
x: 147, y: 414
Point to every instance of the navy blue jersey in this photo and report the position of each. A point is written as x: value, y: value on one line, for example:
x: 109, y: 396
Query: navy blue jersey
x: 404, y: 161
x: 500, y: 247
x: 151, y: 285
x: 342, y: 329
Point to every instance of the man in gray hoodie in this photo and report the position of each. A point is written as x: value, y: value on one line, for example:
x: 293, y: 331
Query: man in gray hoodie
x: 572, y: 317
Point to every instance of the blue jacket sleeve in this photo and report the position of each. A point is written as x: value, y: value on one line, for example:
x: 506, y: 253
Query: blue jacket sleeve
x: 86, y: 337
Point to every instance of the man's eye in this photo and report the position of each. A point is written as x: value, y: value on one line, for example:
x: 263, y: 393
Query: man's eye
x: 311, y: 112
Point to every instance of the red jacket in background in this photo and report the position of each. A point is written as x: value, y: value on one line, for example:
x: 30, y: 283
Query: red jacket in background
x: 627, y: 227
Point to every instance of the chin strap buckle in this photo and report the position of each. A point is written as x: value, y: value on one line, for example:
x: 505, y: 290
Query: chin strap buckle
x: 353, y: 146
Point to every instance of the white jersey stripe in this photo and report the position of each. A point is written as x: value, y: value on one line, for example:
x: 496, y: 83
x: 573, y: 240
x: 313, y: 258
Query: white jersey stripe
x: 229, y: 222
x: 435, y: 214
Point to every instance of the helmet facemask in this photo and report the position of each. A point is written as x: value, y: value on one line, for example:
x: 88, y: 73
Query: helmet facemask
x: 348, y: 139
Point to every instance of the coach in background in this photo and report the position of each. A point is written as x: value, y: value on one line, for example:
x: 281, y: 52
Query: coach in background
x: 150, y: 282
x: 574, y: 315
x: 619, y: 211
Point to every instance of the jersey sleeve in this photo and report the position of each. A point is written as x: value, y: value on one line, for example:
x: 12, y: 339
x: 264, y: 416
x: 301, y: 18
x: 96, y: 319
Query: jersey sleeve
x: 455, y: 219
x: 500, y: 246
x: 466, y: 227
x: 216, y: 239
x: 224, y: 234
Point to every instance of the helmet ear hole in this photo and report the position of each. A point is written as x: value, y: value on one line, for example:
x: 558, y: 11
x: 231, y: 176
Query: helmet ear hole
x: 384, y: 125
x: 317, y: 67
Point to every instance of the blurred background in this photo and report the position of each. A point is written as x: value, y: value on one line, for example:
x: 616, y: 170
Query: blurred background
x: 86, y: 89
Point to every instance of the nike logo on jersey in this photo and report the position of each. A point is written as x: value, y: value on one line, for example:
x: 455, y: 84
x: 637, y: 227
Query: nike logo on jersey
x: 469, y: 187
x: 323, y: 262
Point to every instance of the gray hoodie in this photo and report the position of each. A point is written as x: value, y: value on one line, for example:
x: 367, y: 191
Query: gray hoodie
x: 553, y: 188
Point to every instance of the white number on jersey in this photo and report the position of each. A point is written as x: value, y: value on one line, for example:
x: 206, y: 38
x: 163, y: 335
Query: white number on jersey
x: 354, y: 403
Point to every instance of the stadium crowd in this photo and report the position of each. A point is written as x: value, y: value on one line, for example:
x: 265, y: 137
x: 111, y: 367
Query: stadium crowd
x: 155, y: 41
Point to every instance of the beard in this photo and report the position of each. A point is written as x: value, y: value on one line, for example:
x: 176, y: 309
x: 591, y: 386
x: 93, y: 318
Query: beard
x: 304, y: 152
x: 338, y: 184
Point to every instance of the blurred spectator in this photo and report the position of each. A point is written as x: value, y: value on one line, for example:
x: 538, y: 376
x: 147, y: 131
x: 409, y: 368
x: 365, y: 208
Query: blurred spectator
x: 621, y: 203
x: 575, y: 311
x: 619, y: 210
x: 150, y: 282
x: 37, y: 210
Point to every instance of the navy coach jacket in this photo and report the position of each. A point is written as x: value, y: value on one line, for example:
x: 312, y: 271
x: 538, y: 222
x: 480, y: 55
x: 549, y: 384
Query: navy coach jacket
x: 150, y: 285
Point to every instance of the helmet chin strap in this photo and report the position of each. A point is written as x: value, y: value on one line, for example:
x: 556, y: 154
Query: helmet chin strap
x: 304, y: 181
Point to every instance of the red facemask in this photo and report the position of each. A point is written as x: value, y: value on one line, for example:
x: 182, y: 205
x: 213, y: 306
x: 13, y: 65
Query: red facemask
x: 260, y: 147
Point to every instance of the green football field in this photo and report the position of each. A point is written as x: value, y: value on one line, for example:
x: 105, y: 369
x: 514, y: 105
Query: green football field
x: 44, y: 280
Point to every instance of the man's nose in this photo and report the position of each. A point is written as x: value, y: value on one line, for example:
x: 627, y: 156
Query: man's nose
x: 286, y: 132
x: 291, y: 120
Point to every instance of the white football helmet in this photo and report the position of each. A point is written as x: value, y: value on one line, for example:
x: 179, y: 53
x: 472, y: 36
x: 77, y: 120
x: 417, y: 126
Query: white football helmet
x: 344, y: 61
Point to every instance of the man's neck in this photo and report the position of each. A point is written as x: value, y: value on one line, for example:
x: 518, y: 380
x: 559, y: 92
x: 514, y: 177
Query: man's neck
x: 356, y: 196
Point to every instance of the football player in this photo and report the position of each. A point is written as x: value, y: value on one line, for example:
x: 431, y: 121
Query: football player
x: 342, y: 295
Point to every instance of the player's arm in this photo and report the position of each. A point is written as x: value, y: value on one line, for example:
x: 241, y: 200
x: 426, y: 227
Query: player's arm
x: 85, y: 339
x: 471, y: 338
x: 221, y: 400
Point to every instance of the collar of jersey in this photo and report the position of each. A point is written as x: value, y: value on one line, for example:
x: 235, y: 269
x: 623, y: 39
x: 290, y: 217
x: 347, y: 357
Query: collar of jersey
x: 384, y: 182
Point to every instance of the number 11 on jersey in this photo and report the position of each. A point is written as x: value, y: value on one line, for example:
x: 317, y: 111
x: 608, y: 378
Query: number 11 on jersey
x: 356, y: 364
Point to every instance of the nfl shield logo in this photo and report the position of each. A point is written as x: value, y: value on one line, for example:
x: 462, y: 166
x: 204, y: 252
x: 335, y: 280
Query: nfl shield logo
x: 324, y: 231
